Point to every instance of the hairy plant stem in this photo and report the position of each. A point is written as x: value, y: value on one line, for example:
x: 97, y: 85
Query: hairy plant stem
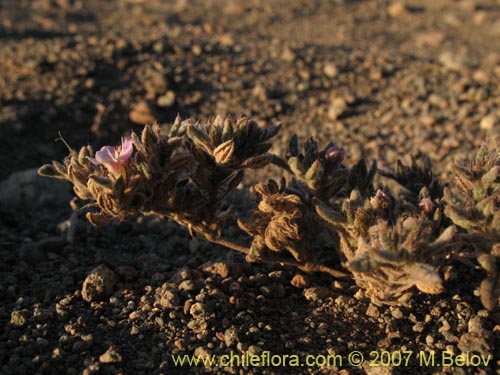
x: 307, y: 267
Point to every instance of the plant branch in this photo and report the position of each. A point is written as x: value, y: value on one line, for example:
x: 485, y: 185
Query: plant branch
x: 230, y: 245
x: 307, y: 267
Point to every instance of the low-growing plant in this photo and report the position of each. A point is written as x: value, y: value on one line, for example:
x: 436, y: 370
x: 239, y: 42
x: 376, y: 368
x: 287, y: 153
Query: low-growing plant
x: 389, y: 242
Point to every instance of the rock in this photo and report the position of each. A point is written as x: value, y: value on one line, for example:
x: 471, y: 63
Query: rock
x: 127, y: 273
x: 198, y: 310
x: 202, y: 352
x: 99, y: 284
x: 418, y: 327
x: 288, y: 55
x: 396, y: 313
x: 259, y: 91
x: 182, y: 274
x: 27, y: 190
x: 141, y: 114
x: 452, y: 61
x: 221, y: 269
x: 197, y: 50
x: 429, y: 38
x: 475, y: 325
x: 299, y: 281
x: 197, y: 325
x: 429, y: 340
x: 337, y: 108
x: 166, y: 100
x: 331, y: 70
x: 80, y: 346
x: 495, y: 28
x: 373, y: 369
x: 166, y: 299
x: 445, y: 326
x: 474, y: 342
x: 156, y: 84
x: 315, y: 293
x: 110, y: 356
x: 31, y: 254
x: 372, y: 311
x: 34, y: 253
x: 19, y: 318
x: 489, y: 122
x: 397, y: 10
x: 230, y: 336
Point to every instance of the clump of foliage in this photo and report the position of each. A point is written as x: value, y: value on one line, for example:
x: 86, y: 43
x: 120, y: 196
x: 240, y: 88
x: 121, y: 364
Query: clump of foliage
x: 390, y: 243
x: 474, y: 205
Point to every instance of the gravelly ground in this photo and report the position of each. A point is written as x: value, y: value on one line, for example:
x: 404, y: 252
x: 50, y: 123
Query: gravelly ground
x: 381, y: 79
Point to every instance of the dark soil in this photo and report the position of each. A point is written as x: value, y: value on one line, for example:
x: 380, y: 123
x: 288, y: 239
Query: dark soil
x: 383, y: 80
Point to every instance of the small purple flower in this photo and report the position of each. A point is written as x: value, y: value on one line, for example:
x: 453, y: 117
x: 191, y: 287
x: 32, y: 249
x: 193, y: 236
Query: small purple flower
x: 114, y: 158
x: 334, y: 153
x: 426, y: 205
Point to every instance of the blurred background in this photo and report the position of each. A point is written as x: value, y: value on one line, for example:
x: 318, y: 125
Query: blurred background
x: 381, y: 78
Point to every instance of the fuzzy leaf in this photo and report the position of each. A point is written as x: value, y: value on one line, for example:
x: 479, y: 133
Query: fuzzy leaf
x: 148, y: 136
x: 227, y: 130
x: 180, y: 161
x: 426, y: 278
x: 233, y: 180
x: 490, y: 177
x: 84, y: 153
x: 459, y: 217
x: 384, y: 256
x: 82, y: 192
x: 224, y: 152
x: 174, y: 130
x: 49, y: 170
x: 446, y: 236
x: 199, y: 136
x: 295, y: 166
x: 216, y: 129
x: 336, y: 219
x: 314, y: 172
x: 102, y: 182
x: 257, y: 162
x: 362, y: 263
x: 462, y: 172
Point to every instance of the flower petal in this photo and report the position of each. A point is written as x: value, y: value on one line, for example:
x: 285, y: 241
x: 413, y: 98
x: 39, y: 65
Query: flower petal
x: 127, y: 149
x: 106, y: 154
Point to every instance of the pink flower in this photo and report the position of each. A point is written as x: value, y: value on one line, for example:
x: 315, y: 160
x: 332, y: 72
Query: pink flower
x: 426, y: 205
x: 114, y: 158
